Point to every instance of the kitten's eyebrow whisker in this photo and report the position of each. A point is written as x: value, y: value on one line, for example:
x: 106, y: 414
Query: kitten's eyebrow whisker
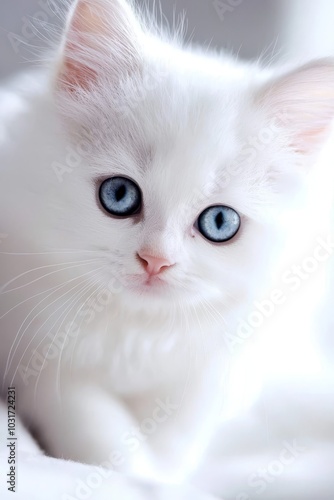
x: 76, y: 264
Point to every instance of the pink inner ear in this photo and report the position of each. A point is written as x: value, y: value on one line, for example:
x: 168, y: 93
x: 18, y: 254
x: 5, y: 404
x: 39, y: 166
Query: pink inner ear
x: 76, y: 74
x: 308, y: 139
x: 313, y: 128
x: 82, y: 43
x: 102, y: 38
x: 307, y: 97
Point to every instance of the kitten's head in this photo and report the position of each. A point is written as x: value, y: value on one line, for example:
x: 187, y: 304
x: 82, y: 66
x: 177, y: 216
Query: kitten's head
x: 185, y: 158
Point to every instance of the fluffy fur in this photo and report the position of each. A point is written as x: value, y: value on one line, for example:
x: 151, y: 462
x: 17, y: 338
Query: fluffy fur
x: 93, y: 351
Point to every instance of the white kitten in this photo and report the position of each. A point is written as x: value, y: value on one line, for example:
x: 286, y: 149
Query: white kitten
x: 147, y: 189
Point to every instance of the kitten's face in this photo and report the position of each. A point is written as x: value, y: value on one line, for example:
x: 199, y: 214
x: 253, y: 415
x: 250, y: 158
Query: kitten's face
x: 159, y: 183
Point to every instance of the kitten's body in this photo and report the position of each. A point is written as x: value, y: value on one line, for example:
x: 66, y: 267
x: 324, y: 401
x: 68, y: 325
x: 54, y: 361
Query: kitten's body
x: 99, y: 352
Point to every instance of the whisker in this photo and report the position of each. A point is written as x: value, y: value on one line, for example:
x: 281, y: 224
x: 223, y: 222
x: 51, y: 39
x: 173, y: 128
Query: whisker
x: 41, y: 277
x: 93, y: 293
x: 58, y: 373
x: 36, y: 306
x: 36, y: 333
x: 67, y: 311
x: 215, y: 311
x: 57, y: 252
x: 9, y: 361
x: 72, y: 300
x: 55, y: 288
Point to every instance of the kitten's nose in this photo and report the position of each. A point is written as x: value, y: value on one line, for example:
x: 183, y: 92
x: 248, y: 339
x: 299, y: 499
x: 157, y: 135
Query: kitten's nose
x: 153, y: 265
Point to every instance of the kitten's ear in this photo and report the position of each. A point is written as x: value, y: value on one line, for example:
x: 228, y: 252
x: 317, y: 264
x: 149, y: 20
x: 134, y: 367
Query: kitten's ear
x: 102, y: 37
x: 303, y: 101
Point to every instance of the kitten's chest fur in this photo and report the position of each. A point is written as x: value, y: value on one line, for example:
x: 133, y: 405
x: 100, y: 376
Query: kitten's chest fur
x: 137, y: 351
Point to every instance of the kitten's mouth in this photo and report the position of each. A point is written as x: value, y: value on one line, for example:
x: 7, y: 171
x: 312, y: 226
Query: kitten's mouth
x: 152, y: 280
x: 146, y: 283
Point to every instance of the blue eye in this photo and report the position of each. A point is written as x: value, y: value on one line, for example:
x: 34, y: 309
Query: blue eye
x: 120, y: 196
x: 218, y: 223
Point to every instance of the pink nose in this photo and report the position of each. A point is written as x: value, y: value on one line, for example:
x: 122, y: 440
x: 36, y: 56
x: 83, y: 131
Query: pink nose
x: 154, y: 265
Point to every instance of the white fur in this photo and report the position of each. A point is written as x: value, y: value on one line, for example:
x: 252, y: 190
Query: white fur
x: 176, y: 121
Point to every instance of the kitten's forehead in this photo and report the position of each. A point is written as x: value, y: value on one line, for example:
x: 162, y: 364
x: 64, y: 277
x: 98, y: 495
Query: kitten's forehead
x: 176, y: 135
x: 189, y: 133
